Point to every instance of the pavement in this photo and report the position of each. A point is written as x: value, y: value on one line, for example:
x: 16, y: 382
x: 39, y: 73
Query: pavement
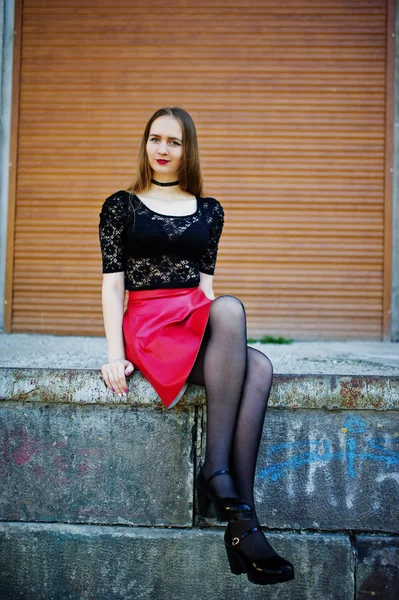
x: 27, y: 350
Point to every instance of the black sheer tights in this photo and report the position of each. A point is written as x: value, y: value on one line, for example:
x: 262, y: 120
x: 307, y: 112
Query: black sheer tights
x: 237, y: 382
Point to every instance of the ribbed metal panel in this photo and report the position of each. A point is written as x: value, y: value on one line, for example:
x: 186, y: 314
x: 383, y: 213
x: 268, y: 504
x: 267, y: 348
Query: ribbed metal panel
x: 289, y: 102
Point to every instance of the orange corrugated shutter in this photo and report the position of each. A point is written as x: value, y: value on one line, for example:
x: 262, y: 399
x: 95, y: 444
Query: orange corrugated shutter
x: 289, y: 102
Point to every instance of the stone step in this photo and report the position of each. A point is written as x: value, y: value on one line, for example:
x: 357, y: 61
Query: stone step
x: 71, y: 562
x: 97, y: 493
x: 78, y: 562
x: 298, y: 390
x: 74, y: 452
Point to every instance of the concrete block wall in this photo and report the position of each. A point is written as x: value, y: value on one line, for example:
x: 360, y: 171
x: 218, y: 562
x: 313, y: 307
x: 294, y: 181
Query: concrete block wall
x: 97, y: 493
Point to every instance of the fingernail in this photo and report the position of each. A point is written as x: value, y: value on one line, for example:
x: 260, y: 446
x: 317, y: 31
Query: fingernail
x: 124, y: 394
x: 119, y: 395
x: 112, y: 390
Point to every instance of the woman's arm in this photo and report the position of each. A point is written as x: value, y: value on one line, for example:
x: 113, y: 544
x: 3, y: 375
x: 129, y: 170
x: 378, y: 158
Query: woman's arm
x: 113, y: 299
x: 208, y: 260
x: 206, y: 283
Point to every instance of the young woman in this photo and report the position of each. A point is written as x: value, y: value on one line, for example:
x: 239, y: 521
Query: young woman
x: 159, y: 240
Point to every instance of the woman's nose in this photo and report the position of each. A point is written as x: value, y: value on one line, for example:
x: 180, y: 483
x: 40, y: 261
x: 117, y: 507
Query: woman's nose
x: 163, y: 148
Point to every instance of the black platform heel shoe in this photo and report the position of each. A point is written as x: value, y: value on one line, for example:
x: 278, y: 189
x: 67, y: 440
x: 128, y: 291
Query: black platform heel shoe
x: 227, y: 509
x: 263, y: 571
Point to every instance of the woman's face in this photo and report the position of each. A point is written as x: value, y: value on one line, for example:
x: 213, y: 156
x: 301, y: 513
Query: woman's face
x: 165, y: 148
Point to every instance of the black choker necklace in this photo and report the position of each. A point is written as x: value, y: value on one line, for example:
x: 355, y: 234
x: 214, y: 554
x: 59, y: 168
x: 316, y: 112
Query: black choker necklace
x: 161, y: 184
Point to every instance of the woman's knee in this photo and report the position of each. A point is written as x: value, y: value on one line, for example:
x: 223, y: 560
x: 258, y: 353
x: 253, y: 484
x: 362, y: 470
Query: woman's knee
x: 260, y: 366
x: 228, y: 307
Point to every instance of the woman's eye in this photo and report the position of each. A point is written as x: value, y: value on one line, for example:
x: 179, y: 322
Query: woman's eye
x: 172, y: 142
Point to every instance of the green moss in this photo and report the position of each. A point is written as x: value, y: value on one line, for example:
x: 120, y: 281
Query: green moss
x: 270, y: 339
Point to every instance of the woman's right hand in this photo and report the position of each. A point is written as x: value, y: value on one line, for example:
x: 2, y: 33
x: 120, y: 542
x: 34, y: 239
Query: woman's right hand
x: 114, y: 374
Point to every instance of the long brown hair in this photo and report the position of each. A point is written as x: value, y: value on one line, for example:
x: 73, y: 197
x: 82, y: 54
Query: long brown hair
x: 190, y: 177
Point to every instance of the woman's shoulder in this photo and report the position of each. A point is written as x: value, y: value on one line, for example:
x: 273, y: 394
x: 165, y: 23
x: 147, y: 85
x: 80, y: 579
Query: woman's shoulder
x: 213, y: 206
x: 121, y: 197
x: 117, y: 203
x: 210, y: 201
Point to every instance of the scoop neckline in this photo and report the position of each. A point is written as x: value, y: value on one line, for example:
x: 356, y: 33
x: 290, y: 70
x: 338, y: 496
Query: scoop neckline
x: 165, y: 215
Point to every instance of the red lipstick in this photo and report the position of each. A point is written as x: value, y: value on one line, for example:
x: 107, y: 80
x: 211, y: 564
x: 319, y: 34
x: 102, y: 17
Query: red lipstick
x: 161, y: 161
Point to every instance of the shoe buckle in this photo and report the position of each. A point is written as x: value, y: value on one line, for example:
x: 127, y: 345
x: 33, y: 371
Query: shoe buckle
x: 235, y: 541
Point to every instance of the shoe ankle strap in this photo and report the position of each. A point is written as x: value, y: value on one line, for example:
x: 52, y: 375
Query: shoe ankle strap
x: 221, y: 472
x: 236, y: 540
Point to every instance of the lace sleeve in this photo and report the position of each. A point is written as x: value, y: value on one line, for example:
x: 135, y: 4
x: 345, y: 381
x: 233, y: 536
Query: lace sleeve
x: 208, y: 260
x: 111, y: 233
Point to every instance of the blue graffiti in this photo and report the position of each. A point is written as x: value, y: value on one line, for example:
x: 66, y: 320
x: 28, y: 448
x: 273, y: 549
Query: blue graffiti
x: 318, y: 451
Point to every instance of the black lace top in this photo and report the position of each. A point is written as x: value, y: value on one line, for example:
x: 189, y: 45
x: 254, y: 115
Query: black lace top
x: 156, y: 250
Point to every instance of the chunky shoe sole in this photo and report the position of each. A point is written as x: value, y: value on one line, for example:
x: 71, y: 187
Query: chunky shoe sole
x: 239, y: 564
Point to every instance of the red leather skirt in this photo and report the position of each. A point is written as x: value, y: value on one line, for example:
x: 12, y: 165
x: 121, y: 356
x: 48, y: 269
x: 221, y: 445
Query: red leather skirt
x: 163, y: 331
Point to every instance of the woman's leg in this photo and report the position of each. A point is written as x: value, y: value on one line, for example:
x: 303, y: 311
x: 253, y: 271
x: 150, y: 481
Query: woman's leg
x: 248, y: 433
x: 248, y: 415
x: 220, y: 367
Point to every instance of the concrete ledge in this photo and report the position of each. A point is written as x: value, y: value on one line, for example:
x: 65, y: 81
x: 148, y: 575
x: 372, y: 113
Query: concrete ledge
x: 377, y: 568
x: 289, y: 391
x: 96, y: 464
x: 27, y: 350
x: 72, y: 562
x: 329, y: 470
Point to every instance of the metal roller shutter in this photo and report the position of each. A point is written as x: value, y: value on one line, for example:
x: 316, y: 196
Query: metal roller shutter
x: 289, y: 100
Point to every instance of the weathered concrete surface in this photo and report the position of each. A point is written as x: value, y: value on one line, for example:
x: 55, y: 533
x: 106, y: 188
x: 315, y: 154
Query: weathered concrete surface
x: 335, y: 391
x: 72, y: 385
x: 114, y: 464
x: 288, y: 391
x: 96, y: 464
x: 319, y: 469
x: 377, y: 568
x: 71, y: 562
x: 28, y: 350
x: 330, y: 470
